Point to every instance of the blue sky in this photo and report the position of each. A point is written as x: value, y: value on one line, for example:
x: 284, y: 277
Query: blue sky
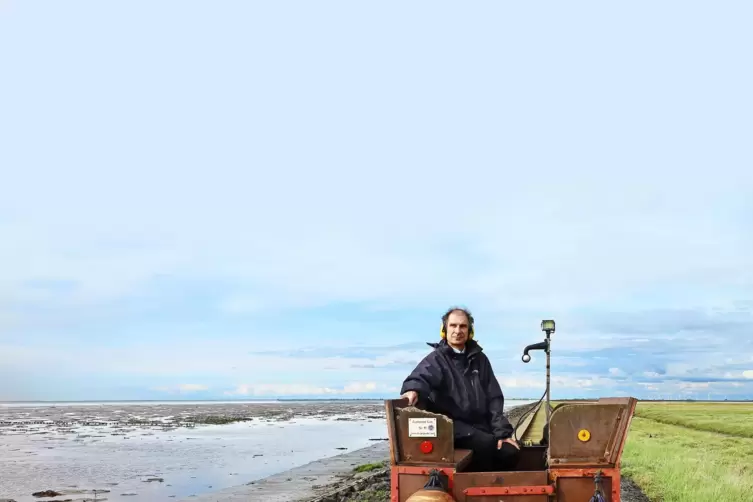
x: 245, y: 200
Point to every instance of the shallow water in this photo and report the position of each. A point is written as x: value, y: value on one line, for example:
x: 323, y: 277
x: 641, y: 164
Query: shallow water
x: 75, y: 460
x: 59, y: 448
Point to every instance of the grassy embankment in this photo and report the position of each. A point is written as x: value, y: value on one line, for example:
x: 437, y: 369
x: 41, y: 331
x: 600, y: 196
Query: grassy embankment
x: 687, y: 452
x: 691, y: 452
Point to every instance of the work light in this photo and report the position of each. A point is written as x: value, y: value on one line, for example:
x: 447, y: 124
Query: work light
x: 547, y: 326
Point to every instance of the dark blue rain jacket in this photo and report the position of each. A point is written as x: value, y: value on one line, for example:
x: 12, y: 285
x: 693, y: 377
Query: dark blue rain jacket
x: 463, y: 387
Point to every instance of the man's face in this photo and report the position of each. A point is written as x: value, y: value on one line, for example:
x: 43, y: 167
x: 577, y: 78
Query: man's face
x: 457, y: 329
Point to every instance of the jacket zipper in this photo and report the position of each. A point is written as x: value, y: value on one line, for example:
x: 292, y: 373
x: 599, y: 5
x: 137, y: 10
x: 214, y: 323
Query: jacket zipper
x: 476, y: 398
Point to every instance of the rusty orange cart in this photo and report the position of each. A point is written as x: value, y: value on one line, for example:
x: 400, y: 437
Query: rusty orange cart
x: 579, y: 461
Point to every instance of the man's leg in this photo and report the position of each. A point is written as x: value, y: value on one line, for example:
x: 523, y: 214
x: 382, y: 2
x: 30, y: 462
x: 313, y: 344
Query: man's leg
x: 486, y: 456
x: 483, y: 446
x: 506, y: 458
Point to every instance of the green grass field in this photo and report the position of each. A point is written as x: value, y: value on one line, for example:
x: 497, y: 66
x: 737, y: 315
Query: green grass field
x: 691, y: 452
x: 735, y: 419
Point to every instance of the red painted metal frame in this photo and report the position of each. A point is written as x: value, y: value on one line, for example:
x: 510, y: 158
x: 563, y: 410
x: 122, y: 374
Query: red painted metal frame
x: 394, y: 485
x: 606, y: 472
x: 396, y: 470
x: 612, y: 473
x: 478, y: 491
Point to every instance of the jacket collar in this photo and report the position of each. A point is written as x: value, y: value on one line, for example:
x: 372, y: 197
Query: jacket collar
x: 471, y: 347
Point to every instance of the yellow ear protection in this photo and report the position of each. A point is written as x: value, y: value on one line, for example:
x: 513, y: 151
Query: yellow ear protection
x: 443, y: 328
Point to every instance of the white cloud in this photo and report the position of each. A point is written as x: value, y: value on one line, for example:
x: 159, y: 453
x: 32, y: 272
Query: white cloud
x: 192, y: 387
x: 372, y: 251
x: 648, y: 386
x: 302, y: 389
x: 693, y: 386
x: 218, y: 358
x: 558, y: 382
x: 225, y: 364
x: 360, y: 387
x: 185, y: 388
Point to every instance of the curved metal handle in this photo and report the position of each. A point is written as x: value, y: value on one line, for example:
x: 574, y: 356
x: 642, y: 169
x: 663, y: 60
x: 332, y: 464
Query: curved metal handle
x: 536, y: 346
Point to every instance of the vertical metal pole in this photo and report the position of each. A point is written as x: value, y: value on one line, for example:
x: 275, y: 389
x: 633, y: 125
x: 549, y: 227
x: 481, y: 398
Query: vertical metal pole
x: 548, y: 388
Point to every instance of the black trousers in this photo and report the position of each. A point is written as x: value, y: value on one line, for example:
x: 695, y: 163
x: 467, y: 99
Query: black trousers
x: 486, y: 457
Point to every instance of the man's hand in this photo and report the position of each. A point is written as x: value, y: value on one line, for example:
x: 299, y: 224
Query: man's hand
x: 508, y: 440
x: 411, y: 396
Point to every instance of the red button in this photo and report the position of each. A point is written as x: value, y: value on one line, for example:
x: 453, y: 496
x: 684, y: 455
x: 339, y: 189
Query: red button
x: 427, y: 447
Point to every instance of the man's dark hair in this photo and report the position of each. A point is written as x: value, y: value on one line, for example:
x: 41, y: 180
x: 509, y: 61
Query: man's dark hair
x: 457, y: 309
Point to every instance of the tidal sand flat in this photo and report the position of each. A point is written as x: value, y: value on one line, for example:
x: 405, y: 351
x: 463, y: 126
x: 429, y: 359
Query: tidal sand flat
x: 168, y: 451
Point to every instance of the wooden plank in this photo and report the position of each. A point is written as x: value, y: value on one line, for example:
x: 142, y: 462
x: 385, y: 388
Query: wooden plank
x: 391, y: 431
x: 523, y: 427
x: 442, y: 440
x: 535, y: 429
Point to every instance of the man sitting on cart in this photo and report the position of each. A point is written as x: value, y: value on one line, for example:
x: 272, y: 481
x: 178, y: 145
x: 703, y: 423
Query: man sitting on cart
x: 456, y: 379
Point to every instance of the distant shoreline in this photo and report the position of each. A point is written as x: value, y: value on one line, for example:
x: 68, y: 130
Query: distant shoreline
x: 219, y: 401
x: 282, y: 400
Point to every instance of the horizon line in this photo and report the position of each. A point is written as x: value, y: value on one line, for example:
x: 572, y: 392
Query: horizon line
x: 749, y: 399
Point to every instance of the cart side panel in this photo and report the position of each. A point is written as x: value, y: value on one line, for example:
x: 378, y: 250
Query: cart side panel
x: 407, y: 480
x: 581, y: 490
x: 465, y: 480
x: 409, y: 484
x: 577, y: 485
x: 590, y: 433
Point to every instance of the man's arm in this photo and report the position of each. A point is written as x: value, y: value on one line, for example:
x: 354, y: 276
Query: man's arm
x: 426, y: 377
x: 501, y: 426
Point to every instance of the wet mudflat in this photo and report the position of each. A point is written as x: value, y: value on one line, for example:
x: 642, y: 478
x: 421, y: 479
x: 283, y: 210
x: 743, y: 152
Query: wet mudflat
x: 324, y: 480
x: 166, y: 452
